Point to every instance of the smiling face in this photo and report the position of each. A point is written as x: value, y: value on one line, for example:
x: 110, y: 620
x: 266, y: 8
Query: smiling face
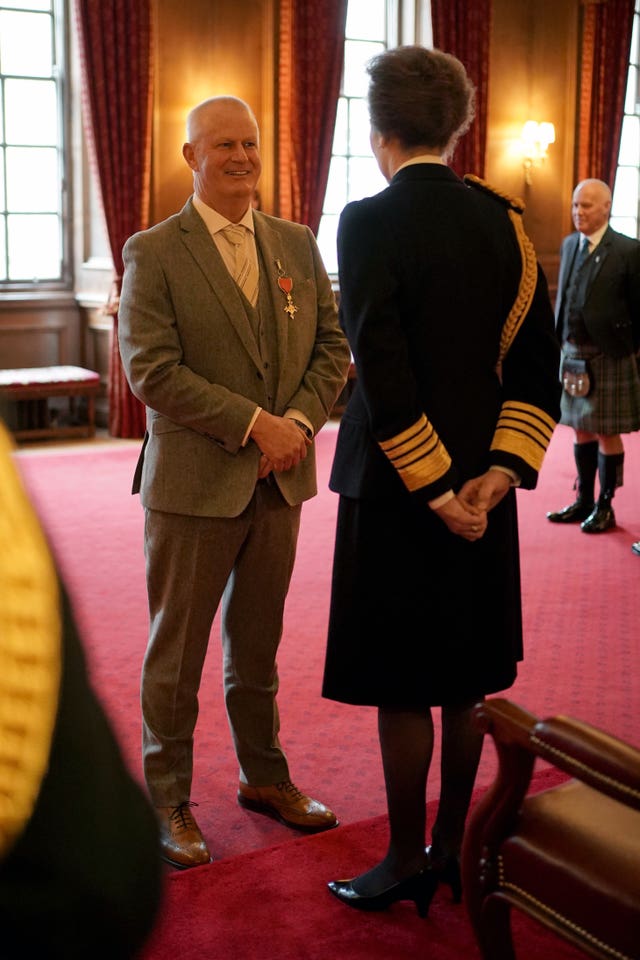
x: 223, y: 153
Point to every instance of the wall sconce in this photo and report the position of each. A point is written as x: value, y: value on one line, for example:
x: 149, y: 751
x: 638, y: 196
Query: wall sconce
x: 535, y: 139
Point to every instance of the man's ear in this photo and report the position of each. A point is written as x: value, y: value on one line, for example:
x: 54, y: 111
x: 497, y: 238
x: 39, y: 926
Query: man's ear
x: 189, y: 154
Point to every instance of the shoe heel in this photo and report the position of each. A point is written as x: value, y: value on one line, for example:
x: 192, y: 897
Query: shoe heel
x: 426, y: 883
x: 456, y: 889
x: 447, y: 870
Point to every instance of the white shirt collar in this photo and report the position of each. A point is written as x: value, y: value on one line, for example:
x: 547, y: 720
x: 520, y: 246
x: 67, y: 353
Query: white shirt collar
x: 215, y: 221
x: 595, y: 238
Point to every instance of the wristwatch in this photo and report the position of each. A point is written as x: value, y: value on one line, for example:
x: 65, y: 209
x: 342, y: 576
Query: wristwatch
x: 305, y: 429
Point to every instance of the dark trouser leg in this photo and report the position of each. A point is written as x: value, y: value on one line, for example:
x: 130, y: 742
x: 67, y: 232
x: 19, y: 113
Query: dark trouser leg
x: 461, y: 748
x: 586, y: 457
x: 406, y: 744
x: 610, y: 475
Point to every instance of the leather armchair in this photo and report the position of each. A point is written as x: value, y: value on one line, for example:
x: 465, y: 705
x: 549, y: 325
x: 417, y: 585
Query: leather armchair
x: 569, y: 855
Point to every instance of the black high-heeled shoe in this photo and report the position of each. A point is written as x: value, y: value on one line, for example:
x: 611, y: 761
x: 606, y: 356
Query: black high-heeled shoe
x: 420, y: 888
x: 447, y: 870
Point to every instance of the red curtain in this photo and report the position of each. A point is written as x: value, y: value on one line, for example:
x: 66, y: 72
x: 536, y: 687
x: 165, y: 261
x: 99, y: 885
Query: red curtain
x: 311, y: 49
x: 464, y: 29
x: 117, y: 72
x: 605, y: 49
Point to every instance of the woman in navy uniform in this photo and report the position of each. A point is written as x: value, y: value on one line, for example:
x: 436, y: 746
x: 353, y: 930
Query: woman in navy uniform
x: 451, y: 328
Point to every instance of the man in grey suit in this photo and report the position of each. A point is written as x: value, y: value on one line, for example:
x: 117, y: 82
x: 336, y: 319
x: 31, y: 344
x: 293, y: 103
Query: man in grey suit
x: 237, y: 375
x: 598, y: 323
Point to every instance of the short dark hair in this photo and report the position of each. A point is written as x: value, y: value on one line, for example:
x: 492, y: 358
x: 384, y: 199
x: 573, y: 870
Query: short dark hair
x: 423, y: 97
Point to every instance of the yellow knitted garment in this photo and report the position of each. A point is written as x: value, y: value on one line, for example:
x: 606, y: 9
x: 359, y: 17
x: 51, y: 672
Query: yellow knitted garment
x: 30, y: 651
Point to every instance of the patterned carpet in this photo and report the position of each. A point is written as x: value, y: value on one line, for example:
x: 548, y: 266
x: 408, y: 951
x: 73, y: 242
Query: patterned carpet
x: 581, y: 611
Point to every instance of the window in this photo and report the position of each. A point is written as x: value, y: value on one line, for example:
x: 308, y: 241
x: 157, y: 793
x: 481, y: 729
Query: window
x: 33, y: 251
x: 625, y: 209
x: 353, y: 173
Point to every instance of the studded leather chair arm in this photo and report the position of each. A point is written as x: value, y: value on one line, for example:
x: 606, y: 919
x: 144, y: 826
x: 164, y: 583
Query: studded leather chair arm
x: 596, y: 758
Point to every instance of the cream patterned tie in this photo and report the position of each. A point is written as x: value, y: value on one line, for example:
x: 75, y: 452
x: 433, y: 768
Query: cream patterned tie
x: 246, y: 270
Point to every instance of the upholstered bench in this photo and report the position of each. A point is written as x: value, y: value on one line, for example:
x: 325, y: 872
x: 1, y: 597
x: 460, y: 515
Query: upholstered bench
x: 28, y: 392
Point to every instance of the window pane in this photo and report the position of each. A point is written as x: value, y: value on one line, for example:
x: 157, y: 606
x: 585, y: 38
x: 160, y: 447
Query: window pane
x: 635, y: 41
x: 633, y: 92
x: 359, y: 128
x: 33, y: 179
x: 26, y: 47
x: 27, y: 4
x: 625, y: 197
x: 366, y: 19
x: 32, y: 114
x: 327, y: 242
x: 356, y: 55
x: 630, y: 141
x: 365, y: 178
x: 624, y: 208
x: 354, y: 171
x: 34, y: 247
x: 341, y: 132
x: 626, y: 225
x: 336, y: 195
x: 32, y: 155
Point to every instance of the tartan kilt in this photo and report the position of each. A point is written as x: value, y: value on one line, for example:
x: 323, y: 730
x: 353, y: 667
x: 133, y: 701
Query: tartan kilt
x: 613, y: 405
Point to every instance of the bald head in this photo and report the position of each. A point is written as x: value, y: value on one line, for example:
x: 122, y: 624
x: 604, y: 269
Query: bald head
x: 211, y: 111
x: 591, y: 205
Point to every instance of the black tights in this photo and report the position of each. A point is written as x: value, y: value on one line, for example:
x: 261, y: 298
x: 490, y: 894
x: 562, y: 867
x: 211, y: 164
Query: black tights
x: 406, y: 745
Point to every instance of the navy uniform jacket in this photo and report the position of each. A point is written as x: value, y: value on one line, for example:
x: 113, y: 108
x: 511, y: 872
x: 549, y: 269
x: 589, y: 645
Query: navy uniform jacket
x: 434, y: 267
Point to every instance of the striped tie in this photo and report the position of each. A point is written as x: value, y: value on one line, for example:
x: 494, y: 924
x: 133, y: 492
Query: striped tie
x: 245, y: 272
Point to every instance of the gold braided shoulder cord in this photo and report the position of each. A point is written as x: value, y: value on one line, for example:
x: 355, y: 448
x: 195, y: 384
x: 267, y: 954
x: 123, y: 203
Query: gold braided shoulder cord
x: 529, y: 275
x: 30, y: 651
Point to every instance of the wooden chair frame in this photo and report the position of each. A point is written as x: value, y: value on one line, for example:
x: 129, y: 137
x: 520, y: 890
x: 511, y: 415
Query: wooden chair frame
x: 521, y: 849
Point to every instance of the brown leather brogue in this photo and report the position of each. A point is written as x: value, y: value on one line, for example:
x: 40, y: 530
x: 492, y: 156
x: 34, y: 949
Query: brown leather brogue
x: 181, y: 842
x: 284, y: 802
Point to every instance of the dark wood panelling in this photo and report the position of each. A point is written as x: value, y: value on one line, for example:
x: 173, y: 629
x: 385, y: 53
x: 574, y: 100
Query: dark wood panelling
x: 533, y: 75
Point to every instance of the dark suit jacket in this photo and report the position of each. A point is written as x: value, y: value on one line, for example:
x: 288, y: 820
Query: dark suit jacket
x: 611, y: 306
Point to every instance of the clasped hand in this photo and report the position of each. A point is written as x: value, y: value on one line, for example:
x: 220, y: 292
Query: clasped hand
x: 466, y: 514
x: 282, y: 444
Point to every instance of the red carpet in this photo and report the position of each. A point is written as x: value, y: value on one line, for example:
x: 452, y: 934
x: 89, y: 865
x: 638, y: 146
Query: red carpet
x: 581, y: 610
x: 274, y: 905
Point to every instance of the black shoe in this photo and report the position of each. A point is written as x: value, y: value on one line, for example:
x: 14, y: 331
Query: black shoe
x: 420, y: 888
x: 602, y: 518
x: 574, y: 513
x: 635, y: 548
x: 447, y: 870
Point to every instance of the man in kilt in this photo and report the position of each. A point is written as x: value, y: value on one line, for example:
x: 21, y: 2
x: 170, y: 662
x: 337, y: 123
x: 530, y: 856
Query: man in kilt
x: 598, y: 323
